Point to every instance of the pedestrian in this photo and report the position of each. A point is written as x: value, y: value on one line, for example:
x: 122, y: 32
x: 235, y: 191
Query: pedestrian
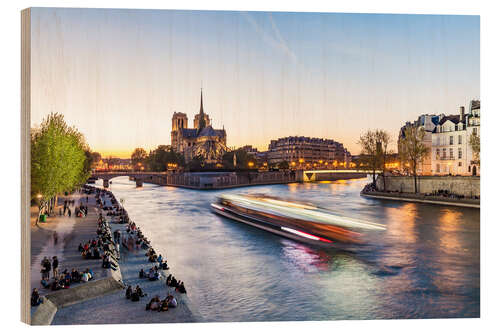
x: 55, y: 236
x: 69, y: 212
x: 55, y: 266
x: 46, y: 267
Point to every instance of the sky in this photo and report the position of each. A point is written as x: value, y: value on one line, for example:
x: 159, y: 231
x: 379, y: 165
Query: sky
x: 119, y: 75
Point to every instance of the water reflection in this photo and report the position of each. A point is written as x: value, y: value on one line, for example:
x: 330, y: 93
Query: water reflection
x: 425, y: 265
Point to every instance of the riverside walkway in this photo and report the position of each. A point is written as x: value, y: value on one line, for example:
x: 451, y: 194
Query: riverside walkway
x: 71, y: 231
x: 107, y: 308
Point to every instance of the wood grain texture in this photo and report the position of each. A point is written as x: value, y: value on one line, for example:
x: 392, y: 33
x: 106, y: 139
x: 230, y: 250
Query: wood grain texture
x: 25, y: 163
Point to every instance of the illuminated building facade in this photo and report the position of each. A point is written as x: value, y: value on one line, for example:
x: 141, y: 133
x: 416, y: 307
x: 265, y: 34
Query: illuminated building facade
x: 201, y: 141
x: 306, y: 152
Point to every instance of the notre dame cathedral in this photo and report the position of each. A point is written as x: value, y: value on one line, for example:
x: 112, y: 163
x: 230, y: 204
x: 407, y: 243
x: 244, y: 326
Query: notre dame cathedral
x: 202, y: 140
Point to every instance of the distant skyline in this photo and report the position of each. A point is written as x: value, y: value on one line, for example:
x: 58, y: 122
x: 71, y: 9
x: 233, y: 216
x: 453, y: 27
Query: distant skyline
x: 119, y: 75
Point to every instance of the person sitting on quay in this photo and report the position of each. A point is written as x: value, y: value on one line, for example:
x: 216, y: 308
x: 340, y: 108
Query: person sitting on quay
x: 160, y: 259
x: 164, y: 266
x: 172, y: 282
x: 107, y: 263
x: 180, y: 288
x: 35, y: 298
x: 154, y: 303
x: 55, y: 285
x: 137, y: 294
x: 142, y: 274
x: 80, y: 248
x: 172, y: 301
x: 45, y: 282
x: 128, y: 292
x: 153, y: 275
x: 75, y: 276
x: 95, y: 253
x: 164, y: 305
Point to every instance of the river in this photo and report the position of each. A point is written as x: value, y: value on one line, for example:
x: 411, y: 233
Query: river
x: 425, y: 265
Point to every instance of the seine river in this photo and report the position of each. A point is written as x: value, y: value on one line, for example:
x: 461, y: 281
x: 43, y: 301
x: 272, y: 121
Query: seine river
x: 425, y: 265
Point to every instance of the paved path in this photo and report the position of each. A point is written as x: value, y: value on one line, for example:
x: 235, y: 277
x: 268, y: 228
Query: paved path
x: 71, y: 231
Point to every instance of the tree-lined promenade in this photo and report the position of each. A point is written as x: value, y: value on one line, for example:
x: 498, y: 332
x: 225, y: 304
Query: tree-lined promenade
x: 61, y: 161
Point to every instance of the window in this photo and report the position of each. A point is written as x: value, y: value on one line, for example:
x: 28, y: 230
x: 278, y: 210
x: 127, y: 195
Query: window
x: 459, y: 164
x: 474, y: 131
x: 456, y: 127
x: 444, y: 154
x: 459, y: 153
x: 438, y: 169
x: 459, y: 139
x: 451, y: 153
x: 451, y: 139
x: 437, y: 153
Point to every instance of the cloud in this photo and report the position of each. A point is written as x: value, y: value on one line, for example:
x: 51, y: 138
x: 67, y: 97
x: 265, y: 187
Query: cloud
x: 276, y: 40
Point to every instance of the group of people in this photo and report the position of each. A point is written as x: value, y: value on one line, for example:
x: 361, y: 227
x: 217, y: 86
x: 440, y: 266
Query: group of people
x: 48, y: 266
x: 134, y: 294
x: 155, y: 304
x: 80, y: 211
x: 66, y: 278
x: 135, y: 239
x: 178, y: 285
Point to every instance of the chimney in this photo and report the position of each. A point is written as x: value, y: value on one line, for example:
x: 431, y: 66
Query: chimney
x: 462, y: 113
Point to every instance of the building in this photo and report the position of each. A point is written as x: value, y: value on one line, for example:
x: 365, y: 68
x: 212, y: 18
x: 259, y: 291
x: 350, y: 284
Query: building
x: 428, y: 122
x: 201, y: 141
x: 451, y: 150
x: 473, y: 127
x: 305, y: 152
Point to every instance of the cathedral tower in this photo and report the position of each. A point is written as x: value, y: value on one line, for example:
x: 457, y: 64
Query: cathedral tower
x: 198, y: 123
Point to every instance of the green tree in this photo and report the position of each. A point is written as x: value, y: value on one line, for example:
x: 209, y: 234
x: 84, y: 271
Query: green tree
x: 475, y: 143
x: 412, y: 149
x: 243, y: 160
x: 371, y: 151
x: 59, y: 162
x: 138, y: 158
x: 159, y: 158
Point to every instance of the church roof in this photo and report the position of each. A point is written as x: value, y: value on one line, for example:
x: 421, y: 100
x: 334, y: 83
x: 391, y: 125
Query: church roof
x: 209, y: 131
x: 189, y: 132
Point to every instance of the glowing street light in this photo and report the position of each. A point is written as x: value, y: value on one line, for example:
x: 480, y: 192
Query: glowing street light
x: 250, y: 164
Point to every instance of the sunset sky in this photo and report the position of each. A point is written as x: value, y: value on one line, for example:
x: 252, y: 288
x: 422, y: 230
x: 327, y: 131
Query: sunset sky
x: 118, y: 75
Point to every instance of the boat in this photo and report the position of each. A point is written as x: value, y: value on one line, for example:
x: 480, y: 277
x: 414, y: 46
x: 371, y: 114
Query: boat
x: 300, y: 221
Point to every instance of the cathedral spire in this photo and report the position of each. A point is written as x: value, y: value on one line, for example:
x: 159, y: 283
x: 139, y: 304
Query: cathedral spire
x: 201, y: 101
x: 201, y: 122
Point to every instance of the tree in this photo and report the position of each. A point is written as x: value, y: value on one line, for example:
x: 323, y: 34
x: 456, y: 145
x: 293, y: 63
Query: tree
x: 161, y: 156
x: 243, y: 159
x: 383, y: 139
x: 475, y: 144
x: 283, y: 165
x: 196, y: 164
x: 412, y: 149
x: 58, y: 160
x: 138, y: 157
x: 371, y: 149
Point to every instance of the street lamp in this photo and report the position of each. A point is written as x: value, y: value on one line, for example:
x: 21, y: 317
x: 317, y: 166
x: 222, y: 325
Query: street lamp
x: 250, y: 164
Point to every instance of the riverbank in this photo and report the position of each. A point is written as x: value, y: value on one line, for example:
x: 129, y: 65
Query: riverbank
x: 421, y: 198
x: 115, y: 308
x: 60, y: 236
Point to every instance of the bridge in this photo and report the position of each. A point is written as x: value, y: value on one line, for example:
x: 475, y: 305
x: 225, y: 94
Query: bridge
x: 140, y: 177
x: 218, y: 180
